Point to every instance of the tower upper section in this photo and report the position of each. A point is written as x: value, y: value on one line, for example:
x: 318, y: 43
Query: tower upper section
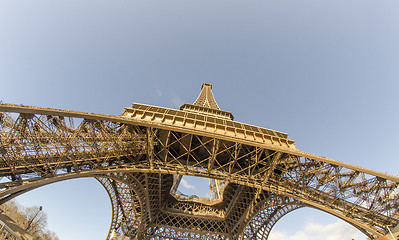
x: 206, y: 104
x: 205, y: 98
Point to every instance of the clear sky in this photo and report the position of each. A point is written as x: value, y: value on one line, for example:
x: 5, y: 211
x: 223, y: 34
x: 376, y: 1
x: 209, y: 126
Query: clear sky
x: 325, y: 72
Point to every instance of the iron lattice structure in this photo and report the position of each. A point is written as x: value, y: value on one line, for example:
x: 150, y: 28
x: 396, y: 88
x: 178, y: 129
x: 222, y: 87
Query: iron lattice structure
x: 257, y: 175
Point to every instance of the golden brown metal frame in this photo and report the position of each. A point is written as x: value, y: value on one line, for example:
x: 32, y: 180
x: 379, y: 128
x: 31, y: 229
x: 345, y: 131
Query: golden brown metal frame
x: 258, y: 174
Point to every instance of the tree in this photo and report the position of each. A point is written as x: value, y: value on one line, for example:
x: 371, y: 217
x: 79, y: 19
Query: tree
x: 31, y: 219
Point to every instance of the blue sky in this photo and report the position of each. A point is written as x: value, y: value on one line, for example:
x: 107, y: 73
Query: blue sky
x: 325, y: 72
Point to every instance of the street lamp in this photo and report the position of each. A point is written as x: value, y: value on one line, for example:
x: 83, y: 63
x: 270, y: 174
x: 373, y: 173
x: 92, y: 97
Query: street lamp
x: 393, y: 237
x: 30, y: 222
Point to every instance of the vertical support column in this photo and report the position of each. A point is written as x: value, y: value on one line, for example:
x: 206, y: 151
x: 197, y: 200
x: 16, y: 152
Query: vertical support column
x: 215, y: 149
x: 150, y: 147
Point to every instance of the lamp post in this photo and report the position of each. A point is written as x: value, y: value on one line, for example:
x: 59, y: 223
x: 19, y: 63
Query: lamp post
x: 30, y: 222
x: 393, y: 237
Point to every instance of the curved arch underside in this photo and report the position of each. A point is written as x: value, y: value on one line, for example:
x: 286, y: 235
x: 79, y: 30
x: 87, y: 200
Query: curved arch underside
x: 135, y: 161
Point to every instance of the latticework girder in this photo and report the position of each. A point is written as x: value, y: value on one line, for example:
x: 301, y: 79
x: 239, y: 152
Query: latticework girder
x: 136, y: 156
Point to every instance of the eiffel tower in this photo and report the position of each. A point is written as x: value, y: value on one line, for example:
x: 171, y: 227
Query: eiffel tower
x: 256, y: 175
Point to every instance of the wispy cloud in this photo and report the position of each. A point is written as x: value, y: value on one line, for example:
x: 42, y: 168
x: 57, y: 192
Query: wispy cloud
x: 158, y: 92
x: 177, y: 101
x: 314, y: 231
x: 186, y: 185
